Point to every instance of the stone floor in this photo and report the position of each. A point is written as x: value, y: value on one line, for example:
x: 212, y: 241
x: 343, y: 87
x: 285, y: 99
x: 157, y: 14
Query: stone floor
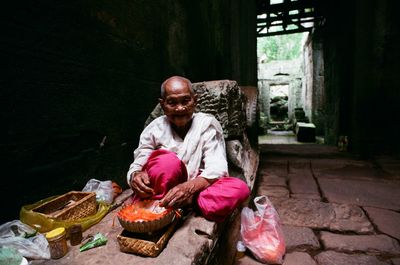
x: 334, y: 208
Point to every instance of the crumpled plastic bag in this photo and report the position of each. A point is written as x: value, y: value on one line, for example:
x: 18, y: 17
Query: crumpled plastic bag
x: 261, y: 232
x: 11, y: 256
x: 104, y: 190
x: 24, y: 239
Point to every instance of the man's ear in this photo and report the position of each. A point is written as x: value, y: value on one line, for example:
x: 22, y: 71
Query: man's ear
x: 161, y: 101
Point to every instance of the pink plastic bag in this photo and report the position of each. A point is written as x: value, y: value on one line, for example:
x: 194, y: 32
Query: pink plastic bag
x: 261, y: 232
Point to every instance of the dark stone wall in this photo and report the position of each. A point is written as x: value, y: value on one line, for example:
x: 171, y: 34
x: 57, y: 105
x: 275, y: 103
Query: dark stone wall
x: 376, y: 79
x: 79, y: 73
x: 361, y: 75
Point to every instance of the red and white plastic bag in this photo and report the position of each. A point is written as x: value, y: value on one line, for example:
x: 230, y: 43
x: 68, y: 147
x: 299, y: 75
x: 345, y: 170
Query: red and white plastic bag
x: 261, y: 232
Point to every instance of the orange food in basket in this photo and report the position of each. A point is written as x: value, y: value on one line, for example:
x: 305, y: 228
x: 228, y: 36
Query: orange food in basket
x: 142, y: 211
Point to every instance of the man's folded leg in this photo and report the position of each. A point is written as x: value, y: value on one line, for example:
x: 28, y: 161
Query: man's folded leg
x: 221, y: 198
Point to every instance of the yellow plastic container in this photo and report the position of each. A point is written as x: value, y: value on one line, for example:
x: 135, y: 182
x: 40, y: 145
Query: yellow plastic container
x: 57, y: 239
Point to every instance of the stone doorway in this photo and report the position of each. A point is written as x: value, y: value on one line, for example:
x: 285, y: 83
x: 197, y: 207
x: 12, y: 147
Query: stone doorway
x: 288, y: 87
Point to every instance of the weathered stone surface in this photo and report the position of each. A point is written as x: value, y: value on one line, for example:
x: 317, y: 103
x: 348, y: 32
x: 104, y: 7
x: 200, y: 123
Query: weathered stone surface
x: 301, y: 179
x: 273, y: 191
x: 299, y: 238
x: 386, y: 221
x: 372, y: 244
x: 335, y: 258
x: 302, y: 183
x: 316, y: 214
x: 192, y: 241
x: 327, y: 165
x: 306, y: 196
x: 277, y: 167
x: 390, y: 165
x: 248, y: 260
x: 361, y: 171
x: 297, y: 258
x: 396, y: 261
x: 364, y: 193
x: 225, y: 249
x: 271, y: 179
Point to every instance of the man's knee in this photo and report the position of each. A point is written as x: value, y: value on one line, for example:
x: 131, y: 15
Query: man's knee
x: 222, y: 198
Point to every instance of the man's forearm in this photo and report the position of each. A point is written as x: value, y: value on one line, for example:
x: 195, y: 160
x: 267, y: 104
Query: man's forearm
x: 198, y: 184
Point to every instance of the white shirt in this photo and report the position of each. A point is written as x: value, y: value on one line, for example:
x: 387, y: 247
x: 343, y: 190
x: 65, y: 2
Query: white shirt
x: 202, y: 150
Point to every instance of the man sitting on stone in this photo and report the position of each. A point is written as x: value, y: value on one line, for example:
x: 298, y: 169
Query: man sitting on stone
x: 181, y: 158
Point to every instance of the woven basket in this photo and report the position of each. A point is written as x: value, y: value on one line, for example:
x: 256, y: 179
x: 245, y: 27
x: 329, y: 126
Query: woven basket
x: 148, y: 244
x: 72, y: 206
x: 147, y: 226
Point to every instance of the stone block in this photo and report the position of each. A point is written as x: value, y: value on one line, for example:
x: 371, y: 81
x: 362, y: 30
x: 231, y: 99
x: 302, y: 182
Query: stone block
x: 334, y: 258
x: 386, y: 221
x: 376, y: 193
x: 321, y: 215
x: 297, y: 258
x: 371, y: 244
x: 305, y: 132
x: 299, y: 238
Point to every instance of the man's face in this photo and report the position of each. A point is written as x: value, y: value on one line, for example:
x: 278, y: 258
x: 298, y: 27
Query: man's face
x: 178, y: 103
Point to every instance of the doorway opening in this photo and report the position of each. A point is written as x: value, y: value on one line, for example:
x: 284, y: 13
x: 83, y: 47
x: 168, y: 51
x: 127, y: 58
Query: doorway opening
x: 278, y: 104
x: 291, y: 88
x: 290, y: 70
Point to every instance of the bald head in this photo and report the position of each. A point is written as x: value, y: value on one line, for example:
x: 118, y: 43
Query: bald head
x: 176, y: 82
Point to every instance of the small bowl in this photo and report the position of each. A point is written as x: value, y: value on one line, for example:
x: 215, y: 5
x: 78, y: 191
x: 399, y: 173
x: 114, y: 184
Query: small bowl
x: 144, y: 226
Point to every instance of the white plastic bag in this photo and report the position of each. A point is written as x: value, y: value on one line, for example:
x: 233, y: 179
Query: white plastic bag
x: 17, y: 235
x: 103, y: 189
x: 261, y: 232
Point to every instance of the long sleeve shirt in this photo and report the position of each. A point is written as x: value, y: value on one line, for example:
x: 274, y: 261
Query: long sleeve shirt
x: 202, y: 150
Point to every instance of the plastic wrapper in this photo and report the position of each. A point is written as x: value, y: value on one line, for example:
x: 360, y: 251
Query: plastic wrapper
x: 43, y: 223
x: 98, y: 240
x: 24, y: 239
x: 104, y: 190
x: 10, y: 256
x: 261, y: 232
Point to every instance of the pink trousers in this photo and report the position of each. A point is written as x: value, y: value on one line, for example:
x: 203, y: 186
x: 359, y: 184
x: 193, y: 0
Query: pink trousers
x: 216, y: 202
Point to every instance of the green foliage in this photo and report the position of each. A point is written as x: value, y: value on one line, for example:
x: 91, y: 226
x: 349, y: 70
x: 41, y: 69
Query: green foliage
x: 280, y: 47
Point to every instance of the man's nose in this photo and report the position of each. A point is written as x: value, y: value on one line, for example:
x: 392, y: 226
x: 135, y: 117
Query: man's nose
x: 180, y: 107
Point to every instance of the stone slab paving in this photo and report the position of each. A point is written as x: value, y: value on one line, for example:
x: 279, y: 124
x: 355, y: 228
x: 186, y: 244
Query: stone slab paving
x: 298, y: 258
x: 248, y: 260
x: 337, y: 163
x: 336, y: 258
x: 301, y: 180
x: 365, y: 170
x: 321, y: 215
x: 390, y: 165
x: 386, y: 221
x: 306, y: 196
x: 273, y: 191
x: 340, y: 210
x: 378, y: 193
x: 277, y: 167
x: 370, y: 244
x: 299, y: 238
x: 396, y: 261
x: 271, y: 179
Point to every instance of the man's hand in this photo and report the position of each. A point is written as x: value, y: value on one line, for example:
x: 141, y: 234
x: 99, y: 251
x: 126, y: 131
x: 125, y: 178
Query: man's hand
x: 182, y: 194
x: 140, y: 184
